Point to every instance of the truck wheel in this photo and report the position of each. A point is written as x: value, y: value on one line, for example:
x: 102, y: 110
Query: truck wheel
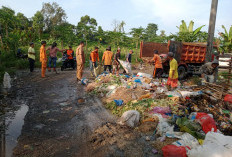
x: 181, y: 72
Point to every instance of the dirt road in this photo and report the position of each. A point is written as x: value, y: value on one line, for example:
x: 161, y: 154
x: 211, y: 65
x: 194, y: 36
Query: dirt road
x: 62, y: 118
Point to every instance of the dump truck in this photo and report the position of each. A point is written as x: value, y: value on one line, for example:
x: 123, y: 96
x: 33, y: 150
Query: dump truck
x: 190, y: 56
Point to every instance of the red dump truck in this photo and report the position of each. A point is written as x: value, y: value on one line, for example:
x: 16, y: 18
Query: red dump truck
x: 190, y: 56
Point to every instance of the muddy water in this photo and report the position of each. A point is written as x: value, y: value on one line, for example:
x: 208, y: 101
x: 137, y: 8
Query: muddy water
x: 13, y: 126
x: 14, y: 129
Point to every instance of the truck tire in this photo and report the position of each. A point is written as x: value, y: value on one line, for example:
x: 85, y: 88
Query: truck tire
x: 182, y: 72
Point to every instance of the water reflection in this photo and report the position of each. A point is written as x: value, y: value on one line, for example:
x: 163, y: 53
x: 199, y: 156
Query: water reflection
x: 12, y: 132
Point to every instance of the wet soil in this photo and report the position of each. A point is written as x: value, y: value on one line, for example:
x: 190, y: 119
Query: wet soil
x: 62, y: 120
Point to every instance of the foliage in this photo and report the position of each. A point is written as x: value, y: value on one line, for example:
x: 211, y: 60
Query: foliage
x: 150, y: 32
x: 226, y: 40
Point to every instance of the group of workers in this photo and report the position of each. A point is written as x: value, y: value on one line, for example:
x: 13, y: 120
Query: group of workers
x: 208, y: 70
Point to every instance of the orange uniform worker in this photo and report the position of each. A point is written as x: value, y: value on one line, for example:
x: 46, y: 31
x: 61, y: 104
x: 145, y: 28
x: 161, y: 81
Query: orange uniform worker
x: 43, y: 58
x: 173, y: 73
x: 107, y: 58
x: 93, y: 59
x: 158, y: 65
x: 80, y: 57
x: 70, y: 54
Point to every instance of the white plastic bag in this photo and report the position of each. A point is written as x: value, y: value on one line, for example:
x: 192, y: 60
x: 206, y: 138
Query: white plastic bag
x: 126, y: 66
x: 130, y: 118
x: 215, y: 145
x: 163, y: 126
x: 144, y: 75
x: 187, y: 140
x: 6, y: 81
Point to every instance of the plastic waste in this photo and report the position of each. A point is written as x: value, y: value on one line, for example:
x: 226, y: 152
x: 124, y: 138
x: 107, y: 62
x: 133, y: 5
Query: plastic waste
x: 187, y: 140
x: 228, y: 98
x: 84, y: 81
x: 173, y: 93
x: 161, y: 110
x: 6, y: 81
x: 138, y: 81
x: 130, y: 118
x: 215, y: 145
x: 119, y: 102
x: 163, y: 126
x: 207, y: 122
x: 144, y: 75
x: 174, y: 151
x: 126, y: 66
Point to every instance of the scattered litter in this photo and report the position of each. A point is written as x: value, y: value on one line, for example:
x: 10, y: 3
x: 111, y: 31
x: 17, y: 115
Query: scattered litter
x: 130, y: 118
x: 45, y: 112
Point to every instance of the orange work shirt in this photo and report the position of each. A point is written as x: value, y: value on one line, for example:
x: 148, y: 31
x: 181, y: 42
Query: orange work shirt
x: 70, y: 54
x: 107, y: 57
x: 157, y: 61
x: 93, y: 56
x: 97, y: 56
x: 43, y: 55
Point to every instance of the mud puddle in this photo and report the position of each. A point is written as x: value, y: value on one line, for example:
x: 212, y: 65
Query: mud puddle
x: 13, y: 125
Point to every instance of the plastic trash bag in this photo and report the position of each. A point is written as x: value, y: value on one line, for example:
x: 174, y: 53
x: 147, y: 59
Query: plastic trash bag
x: 174, y: 151
x: 118, y: 102
x: 187, y: 140
x: 215, y: 145
x: 6, y: 81
x: 207, y: 122
x: 228, y: 98
x: 138, y: 81
x: 163, y: 126
x: 130, y: 118
x: 144, y: 75
x: 126, y: 66
x: 98, y: 70
x: 160, y: 110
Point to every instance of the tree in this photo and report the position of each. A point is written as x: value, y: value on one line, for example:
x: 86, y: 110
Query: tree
x: 86, y: 28
x: 38, y: 24
x: 150, y: 31
x: 226, y: 40
x: 138, y: 35
x: 53, y: 15
x: 187, y: 34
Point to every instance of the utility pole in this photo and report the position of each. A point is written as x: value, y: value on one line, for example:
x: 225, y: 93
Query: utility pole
x: 212, y: 22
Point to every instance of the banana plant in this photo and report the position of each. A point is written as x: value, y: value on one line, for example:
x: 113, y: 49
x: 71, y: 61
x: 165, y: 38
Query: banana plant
x: 184, y: 29
x: 226, y: 39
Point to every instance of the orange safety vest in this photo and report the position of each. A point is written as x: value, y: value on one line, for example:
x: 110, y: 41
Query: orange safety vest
x: 70, y: 54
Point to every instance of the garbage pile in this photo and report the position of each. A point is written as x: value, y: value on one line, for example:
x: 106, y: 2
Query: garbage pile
x: 192, y: 114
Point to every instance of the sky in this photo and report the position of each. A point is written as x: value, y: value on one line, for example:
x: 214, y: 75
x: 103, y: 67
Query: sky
x: 166, y: 13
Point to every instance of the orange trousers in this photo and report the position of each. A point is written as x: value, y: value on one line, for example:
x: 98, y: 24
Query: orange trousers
x: 172, y: 82
x: 80, y: 69
x: 43, y: 68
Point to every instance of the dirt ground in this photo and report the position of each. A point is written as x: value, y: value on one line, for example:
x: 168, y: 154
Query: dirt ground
x: 63, y: 120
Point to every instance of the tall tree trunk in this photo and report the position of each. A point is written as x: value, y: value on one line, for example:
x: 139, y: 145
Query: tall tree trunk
x: 2, y: 46
x: 62, y: 44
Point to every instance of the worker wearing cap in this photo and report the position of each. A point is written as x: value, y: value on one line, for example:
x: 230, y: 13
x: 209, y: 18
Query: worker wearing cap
x: 208, y: 71
x: 173, y: 73
x: 158, y: 65
x: 43, y: 58
x: 31, y: 57
x: 107, y: 58
x: 93, y: 59
x: 80, y: 57
x: 116, y: 64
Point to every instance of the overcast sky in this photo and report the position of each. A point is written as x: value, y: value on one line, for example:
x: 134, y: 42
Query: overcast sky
x: 166, y: 13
